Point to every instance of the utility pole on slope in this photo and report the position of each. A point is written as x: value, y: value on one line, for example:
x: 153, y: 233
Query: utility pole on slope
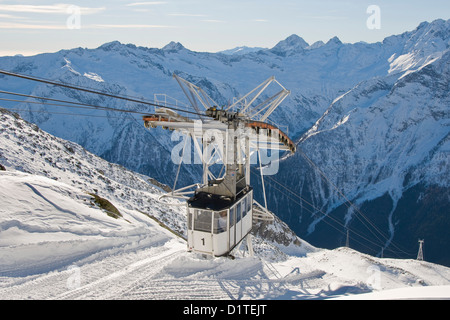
x: 420, y: 254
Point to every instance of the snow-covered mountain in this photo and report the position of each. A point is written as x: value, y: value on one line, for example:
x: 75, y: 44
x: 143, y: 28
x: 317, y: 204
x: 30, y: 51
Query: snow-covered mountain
x: 373, y: 118
x: 241, y: 50
x: 59, y: 241
x: 385, y: 145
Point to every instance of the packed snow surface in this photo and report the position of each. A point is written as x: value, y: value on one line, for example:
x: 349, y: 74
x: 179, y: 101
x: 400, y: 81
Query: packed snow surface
x: 56, y: 242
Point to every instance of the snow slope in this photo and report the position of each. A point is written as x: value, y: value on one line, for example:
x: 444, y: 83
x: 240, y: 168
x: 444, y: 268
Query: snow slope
x: 384, y: 145
x: 57, y: 243
x: 425, y: 293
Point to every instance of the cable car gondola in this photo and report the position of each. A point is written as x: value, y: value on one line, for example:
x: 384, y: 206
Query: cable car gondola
x: 217, y: 224
x: 220, y: 210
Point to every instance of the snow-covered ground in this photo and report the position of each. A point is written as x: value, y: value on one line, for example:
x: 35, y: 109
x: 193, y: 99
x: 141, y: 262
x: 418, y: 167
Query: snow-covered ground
x: 423, y: 293
x: 57, y: 243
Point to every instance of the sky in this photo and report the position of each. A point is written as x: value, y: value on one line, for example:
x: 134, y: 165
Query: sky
x: 31, y: 27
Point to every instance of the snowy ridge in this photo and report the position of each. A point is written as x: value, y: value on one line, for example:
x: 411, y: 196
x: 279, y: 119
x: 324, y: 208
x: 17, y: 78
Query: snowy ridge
x: 56, y: 243
x: 383, y: 141
x: 241, y: 50
x: 414, y: 140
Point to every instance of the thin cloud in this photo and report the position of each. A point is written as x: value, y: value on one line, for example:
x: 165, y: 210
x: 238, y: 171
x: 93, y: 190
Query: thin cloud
x: 323, y: 17
x: 10, y: 16
x: 129, y: 26
x: 213, y: 21
x: 25, y: 26
x: 148, y: 3
x: 53, y: 9
x: 32, y: 26
x: 185, y: 15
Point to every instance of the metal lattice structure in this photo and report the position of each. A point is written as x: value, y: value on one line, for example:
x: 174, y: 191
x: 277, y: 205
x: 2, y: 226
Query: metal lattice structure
x: 420, y: 253
x: 230, y: 136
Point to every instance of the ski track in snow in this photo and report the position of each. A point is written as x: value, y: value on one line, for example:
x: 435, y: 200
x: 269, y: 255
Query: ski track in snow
x: 127, y: 279
x: 122, y: 260
x: 43, y: 243
x: 159, y: 272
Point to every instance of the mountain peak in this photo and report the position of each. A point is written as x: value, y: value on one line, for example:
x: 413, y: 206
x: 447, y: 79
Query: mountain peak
x: 436, y: 26
x: 173, y: 47
x: 334, y: 41
x: 428, y: 38
x: 110, y: 45
x: 290, y: 44
x: 316, y: 45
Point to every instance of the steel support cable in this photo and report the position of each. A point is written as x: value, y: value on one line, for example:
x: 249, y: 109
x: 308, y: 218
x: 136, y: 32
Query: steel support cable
x: 179, y: 166
x: 64, y: 105
x: 69, y: 86
x: 262, y: 179
x: 133, y: 97
x: 72, y: 104
x: 350, y: 204
x: 14, y: 109
x: 376, y: 245
x: 60, y: 113
x: 359, y: 213
x: 326, y: 216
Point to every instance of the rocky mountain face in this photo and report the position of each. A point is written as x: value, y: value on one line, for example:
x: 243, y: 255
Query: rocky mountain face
x: 385, y: 146
x: 371, y: 121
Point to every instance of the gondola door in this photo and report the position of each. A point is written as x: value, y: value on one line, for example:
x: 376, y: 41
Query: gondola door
x: 200, y: 230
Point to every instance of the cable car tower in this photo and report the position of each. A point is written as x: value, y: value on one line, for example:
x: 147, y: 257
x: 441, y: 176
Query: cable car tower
x: 221, y: 209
